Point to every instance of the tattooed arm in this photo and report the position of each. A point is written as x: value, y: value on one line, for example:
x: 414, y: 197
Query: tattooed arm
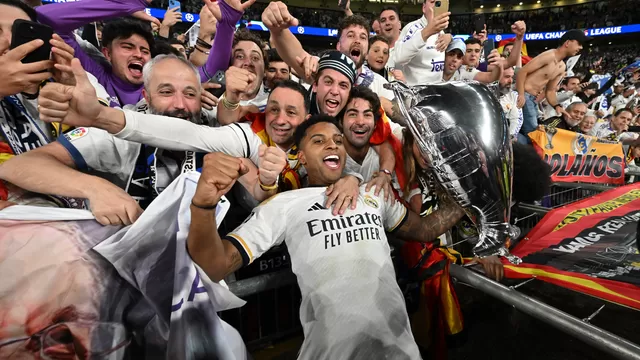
x: 394, y: 114
x: 428, y: 228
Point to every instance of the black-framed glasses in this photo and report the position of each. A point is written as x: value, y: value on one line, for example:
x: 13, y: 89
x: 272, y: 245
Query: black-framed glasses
x: 87, y: 340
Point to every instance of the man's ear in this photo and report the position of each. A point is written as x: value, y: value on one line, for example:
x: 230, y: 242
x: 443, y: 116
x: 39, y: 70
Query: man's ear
x: 301, y: 158
x: 107, y: 53
x: 307, y: 117
x: 146, y: 96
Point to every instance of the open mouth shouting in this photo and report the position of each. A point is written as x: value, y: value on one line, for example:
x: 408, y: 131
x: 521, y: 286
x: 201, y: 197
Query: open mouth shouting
x: 355, y: 54
x: 135, y: 68
x: 332, y: 106
x: 332, y: 162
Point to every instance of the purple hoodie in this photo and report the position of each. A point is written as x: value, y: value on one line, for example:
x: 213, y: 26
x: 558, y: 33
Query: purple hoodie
x: 66, y: 17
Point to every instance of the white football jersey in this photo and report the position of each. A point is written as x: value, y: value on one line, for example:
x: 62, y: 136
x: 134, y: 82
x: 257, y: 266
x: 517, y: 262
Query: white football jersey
x: 352, y: 307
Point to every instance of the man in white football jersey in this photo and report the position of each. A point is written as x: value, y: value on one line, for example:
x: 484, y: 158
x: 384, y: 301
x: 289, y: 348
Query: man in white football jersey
x: 352, y: 307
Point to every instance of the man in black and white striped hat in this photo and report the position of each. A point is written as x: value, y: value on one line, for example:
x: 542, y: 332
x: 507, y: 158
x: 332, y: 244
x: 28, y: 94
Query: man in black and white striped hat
x: 330, y: 91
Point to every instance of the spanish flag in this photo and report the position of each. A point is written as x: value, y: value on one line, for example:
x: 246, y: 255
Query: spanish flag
x: 525, y: 56
x: 381, y: 133
x: 438, y: 314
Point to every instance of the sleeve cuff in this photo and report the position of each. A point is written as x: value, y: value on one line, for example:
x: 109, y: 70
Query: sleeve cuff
x: 399, y: 224
x: 78, y: 159
x: 129, y: 125
x: 237, y: 241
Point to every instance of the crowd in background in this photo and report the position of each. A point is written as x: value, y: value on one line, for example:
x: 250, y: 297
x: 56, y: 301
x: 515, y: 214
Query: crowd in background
x: 588, y: 15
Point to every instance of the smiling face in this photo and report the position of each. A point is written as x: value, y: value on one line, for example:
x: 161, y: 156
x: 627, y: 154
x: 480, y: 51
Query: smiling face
x: 358, y: 122
x: 173, y: 90
x: 390, y: 25
x: 378, y: 55
x: 248, y: 55
x: 332, y: 91
x: 587, y: 124
x: 127, y: 57
x: 284, y: 112
x: 323, y: 154
x: 277, y: 71
x: 354, y: 42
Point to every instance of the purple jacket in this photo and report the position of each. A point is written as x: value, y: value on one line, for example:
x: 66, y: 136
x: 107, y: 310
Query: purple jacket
x: 66, y: 17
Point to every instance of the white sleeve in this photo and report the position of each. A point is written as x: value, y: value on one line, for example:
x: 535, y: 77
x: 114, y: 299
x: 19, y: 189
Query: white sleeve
x: 407, y: 46
x: 394, y: 213
x: 262, y: 230
x: 96, y: 149
x: 180, y: 135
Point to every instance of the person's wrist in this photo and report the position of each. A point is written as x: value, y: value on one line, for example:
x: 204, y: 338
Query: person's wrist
x: 203, y: 201
x: 232, y: 99
x: 110, y: 119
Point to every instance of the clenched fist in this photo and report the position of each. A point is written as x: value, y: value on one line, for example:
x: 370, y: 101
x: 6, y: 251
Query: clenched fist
x: 272, y: 162
x: 276, y: 17
x: 219, y: 172
x: 519, y: 28
x: 238, y: 81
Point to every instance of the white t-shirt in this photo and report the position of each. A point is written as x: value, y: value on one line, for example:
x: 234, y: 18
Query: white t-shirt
x: 420, y: 62
x: 352, y: 307
x: 103, y: 154
x: 464, y: 73
x: 377, y: 85
x: 603, y: 130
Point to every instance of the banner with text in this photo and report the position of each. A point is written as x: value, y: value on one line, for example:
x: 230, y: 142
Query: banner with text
x: 575, y: 157
x: 589, y: 246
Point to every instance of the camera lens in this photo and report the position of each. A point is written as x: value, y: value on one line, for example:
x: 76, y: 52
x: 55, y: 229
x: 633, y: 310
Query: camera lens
x: 438, y: 3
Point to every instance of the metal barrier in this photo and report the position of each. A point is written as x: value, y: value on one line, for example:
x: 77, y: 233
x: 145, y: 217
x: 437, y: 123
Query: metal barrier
x: 272, y: 310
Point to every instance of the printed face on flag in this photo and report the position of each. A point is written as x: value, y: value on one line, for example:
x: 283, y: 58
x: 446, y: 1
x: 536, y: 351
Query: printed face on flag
x: 49, y: 292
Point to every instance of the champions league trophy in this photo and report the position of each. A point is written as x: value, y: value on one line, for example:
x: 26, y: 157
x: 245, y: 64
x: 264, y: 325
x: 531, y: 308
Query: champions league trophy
x: 460, y: 129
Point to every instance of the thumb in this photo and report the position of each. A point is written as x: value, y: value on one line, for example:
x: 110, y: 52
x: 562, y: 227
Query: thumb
x: 299, y: 60
x: 23, y: 50
x: 293, y: 21
x: 262, y: 150
x: 243, y: 169
x: 79, y: 73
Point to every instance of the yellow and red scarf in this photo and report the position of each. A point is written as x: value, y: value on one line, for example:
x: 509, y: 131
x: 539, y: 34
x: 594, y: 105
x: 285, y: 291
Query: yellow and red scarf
x: 289, y: 178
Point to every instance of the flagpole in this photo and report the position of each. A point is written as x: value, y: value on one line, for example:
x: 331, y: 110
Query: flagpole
x: 592, y: 335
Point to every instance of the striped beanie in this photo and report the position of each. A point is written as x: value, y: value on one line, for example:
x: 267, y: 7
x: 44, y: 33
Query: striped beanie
x: 339, y: 62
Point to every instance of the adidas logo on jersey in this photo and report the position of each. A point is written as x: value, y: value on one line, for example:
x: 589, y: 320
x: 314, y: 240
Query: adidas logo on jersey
x: 317, y: 206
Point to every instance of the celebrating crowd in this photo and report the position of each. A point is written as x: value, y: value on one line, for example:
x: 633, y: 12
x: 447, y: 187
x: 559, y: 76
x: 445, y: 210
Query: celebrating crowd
x: 301, y: 145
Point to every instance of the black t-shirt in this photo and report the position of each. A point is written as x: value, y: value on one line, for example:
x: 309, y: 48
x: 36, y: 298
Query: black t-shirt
x: 558, y: 122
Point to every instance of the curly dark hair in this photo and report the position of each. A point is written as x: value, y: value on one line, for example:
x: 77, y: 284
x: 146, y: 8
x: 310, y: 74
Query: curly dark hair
x: 348, y: 21
x: 364, y: 93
